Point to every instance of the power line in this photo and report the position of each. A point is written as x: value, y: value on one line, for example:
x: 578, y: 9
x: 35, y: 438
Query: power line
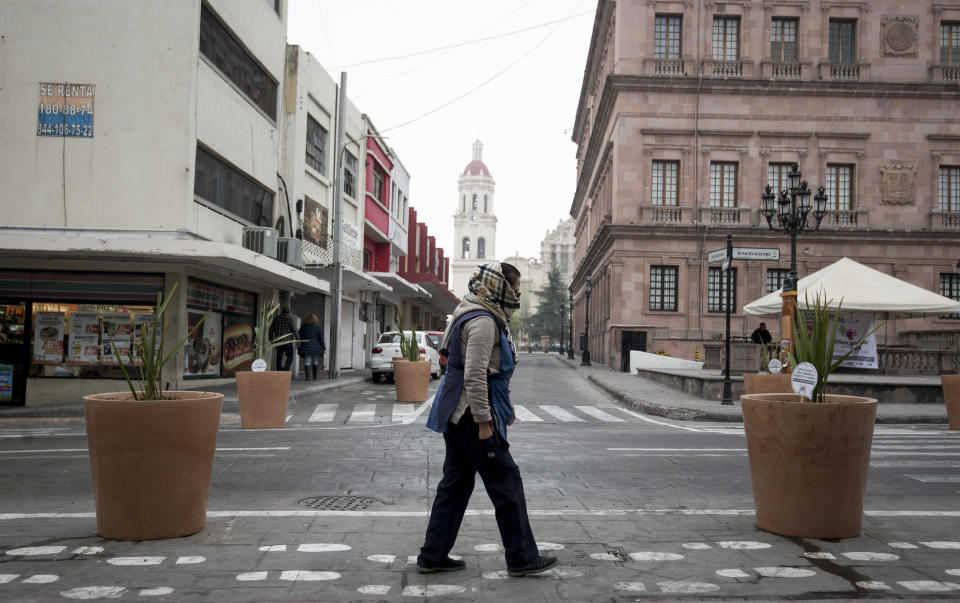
x: 467, y: 43
x: 493, y: 77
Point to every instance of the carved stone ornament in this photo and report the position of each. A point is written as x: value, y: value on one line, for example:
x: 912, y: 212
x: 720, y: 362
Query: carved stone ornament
x: 899, y: 37
x: 897, y: 186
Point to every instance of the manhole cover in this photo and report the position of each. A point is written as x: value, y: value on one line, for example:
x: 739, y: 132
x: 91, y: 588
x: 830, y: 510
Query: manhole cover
x: 338, y: 503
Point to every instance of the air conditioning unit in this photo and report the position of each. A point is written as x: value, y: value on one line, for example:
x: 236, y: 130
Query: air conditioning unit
x: 290, y: 251
x: 261, y: 239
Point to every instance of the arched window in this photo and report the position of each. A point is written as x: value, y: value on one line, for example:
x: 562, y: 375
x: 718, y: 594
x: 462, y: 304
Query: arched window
x: 464, y: 203
x: 466, y: 248
x: 484, y: 204
x: 474, y: 202
x: 481, y: 248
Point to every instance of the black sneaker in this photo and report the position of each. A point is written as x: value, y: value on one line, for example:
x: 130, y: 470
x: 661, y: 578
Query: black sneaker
x: 540, y: 564
x: 447, y: 565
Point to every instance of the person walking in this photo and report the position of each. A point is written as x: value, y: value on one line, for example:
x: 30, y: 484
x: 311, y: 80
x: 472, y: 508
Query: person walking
x: 312, y: 346
x: 283, y: 324
x: 472, y: 410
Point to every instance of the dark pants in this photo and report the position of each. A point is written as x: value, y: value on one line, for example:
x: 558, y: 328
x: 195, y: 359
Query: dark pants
x: 284, y: 357
x: 466, y: 456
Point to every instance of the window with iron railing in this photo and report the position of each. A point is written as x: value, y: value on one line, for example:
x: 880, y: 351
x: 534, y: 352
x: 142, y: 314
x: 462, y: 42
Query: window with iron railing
x: 839, y: 187
x: 316, y: 146
x: 667, y: 36
x: 775, y: 278
x: 726, y: 38
x: 948, y: 188
x: 663, y: 288
x: 783, y: 40
x: 843, y: 50
x: 379, y: 184
x: 665, y: 176
x: 723, y: 184
x: 717, y: 290
x: 349, y: 174
x: 950, y: 43
x: 950, y: 287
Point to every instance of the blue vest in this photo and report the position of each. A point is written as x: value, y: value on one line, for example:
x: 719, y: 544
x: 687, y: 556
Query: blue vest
x: 498, y: 384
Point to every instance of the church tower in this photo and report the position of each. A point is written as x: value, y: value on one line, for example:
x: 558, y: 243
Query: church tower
x: 474, y: 222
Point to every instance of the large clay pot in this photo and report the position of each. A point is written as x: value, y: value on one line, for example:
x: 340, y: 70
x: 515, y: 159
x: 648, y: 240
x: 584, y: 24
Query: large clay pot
x: 809, y: 462
x: 412, y: 380
x: 263, y: 398
x: 151, y: 462
x: 951, y: 397
x: 766, y: 383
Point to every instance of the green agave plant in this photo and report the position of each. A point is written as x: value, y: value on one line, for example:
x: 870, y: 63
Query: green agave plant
x: 408, y: 345
x: 815, y: 343
x: 146, y: 354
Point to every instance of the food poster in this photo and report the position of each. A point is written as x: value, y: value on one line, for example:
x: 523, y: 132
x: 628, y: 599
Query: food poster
x: 84, y: 338
x: 237, y: 352
x: 117, y: 338
x: 202, y: 350
x: 49, y: 330
x: 141, y: 322
x: 6, y: 382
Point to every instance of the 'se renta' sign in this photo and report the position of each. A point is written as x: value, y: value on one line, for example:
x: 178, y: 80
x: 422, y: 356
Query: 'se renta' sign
x: 65, y: 110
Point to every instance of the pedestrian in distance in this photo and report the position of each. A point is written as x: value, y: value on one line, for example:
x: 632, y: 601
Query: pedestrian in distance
x: 283, y: 324
x: 472, y: 410
x: 761, y: 334
x: 312, y: 346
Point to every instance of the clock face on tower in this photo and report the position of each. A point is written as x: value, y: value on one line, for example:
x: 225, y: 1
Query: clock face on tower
x: 473, y: 217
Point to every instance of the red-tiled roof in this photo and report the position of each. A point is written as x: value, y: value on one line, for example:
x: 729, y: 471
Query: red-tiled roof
x: 475, y: 168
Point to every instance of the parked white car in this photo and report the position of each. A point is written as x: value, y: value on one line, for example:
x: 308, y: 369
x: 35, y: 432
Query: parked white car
x: 383, y: 353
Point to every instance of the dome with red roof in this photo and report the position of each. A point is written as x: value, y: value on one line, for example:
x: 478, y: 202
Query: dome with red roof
x: 477, y: 167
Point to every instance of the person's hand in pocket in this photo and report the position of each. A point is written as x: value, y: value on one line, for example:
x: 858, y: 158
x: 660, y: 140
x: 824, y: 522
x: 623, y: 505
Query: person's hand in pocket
x: 485, y: 430
x: 513, y: 415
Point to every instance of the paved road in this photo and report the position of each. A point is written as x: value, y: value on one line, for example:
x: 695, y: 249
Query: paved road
x: 634, y: 506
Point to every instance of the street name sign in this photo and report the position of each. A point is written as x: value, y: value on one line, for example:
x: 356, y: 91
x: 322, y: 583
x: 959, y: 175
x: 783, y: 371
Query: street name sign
x: 744, y: 253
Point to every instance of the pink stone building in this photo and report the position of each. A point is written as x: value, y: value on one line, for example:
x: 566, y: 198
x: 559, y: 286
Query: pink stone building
x: 689, y: 109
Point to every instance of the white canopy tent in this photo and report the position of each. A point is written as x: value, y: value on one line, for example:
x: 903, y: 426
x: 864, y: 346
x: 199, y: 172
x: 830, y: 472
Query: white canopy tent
x: 862, y: 289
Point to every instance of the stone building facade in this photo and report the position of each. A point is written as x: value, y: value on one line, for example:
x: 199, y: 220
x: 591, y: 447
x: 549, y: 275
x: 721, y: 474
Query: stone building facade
x: 556, y: 249
x: 688, y: 109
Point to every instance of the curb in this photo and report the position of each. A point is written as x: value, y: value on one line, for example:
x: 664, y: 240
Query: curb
x: 669, y: 412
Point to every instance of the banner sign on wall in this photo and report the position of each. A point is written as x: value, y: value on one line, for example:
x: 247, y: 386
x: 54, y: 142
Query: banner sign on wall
x: 48, y: 334
x: 65, y: 110
x: 117, y: 338
x: 84, y: 338
x: 315, y: 223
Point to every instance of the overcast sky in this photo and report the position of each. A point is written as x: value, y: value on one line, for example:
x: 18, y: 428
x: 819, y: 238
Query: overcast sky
x: 523, y: 116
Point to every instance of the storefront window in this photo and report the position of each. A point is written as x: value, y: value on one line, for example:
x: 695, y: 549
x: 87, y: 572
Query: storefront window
x: 85, y: 340
x: 224, y: 345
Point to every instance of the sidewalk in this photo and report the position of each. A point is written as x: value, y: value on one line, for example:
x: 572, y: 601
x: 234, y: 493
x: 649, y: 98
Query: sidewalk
x: 299, y: 389
x: 657, y: 399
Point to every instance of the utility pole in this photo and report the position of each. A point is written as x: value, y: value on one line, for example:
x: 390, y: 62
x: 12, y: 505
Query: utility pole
x: 334, y: 369
x: 727, y: 273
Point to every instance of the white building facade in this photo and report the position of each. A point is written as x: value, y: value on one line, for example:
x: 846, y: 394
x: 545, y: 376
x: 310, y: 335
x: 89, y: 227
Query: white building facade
x: 130, y: 181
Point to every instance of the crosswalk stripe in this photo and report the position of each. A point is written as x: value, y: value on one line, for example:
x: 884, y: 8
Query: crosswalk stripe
x: 323, y: 413
x: 560, y: 414
x: 404, y: 412
x: 596, y: 413
x: 362, y: 413
x: 942, y: 479
x: 525, y: 415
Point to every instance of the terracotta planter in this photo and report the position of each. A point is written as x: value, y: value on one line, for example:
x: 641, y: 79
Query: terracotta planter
x: 412, y: 380
x: 809, y: 462
x: 951, y: 397
x: 766, y: 383
x: 151, y: 462
x: 263, y: 398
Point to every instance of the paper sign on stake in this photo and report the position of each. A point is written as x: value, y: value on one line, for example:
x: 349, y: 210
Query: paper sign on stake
x: 804, y: 380
x: 259, y: 365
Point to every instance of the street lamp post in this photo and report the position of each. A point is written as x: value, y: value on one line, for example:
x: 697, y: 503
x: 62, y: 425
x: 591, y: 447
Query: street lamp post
x: 787, y: 211
x: 586, y: 326
x: 570, y: 347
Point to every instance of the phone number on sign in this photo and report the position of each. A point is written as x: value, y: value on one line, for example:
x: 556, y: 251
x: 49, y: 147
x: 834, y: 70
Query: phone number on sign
x: 65, y: 129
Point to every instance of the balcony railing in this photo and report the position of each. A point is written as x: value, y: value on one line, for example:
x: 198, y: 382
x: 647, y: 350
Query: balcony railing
x: 669, y: 67
x: 784, y: 71
x: 844, y: 71
x: 944, y: 220
x: 850, y: 218
x: 945, y: 73
x: 726, y: 215
x: 664, y: 214
x: 726, y: 68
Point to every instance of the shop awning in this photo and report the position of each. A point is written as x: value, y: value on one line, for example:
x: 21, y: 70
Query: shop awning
x: 353, y: 279
x: 440, y: 298
x: 401, y: 287
x: 74, y: 249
